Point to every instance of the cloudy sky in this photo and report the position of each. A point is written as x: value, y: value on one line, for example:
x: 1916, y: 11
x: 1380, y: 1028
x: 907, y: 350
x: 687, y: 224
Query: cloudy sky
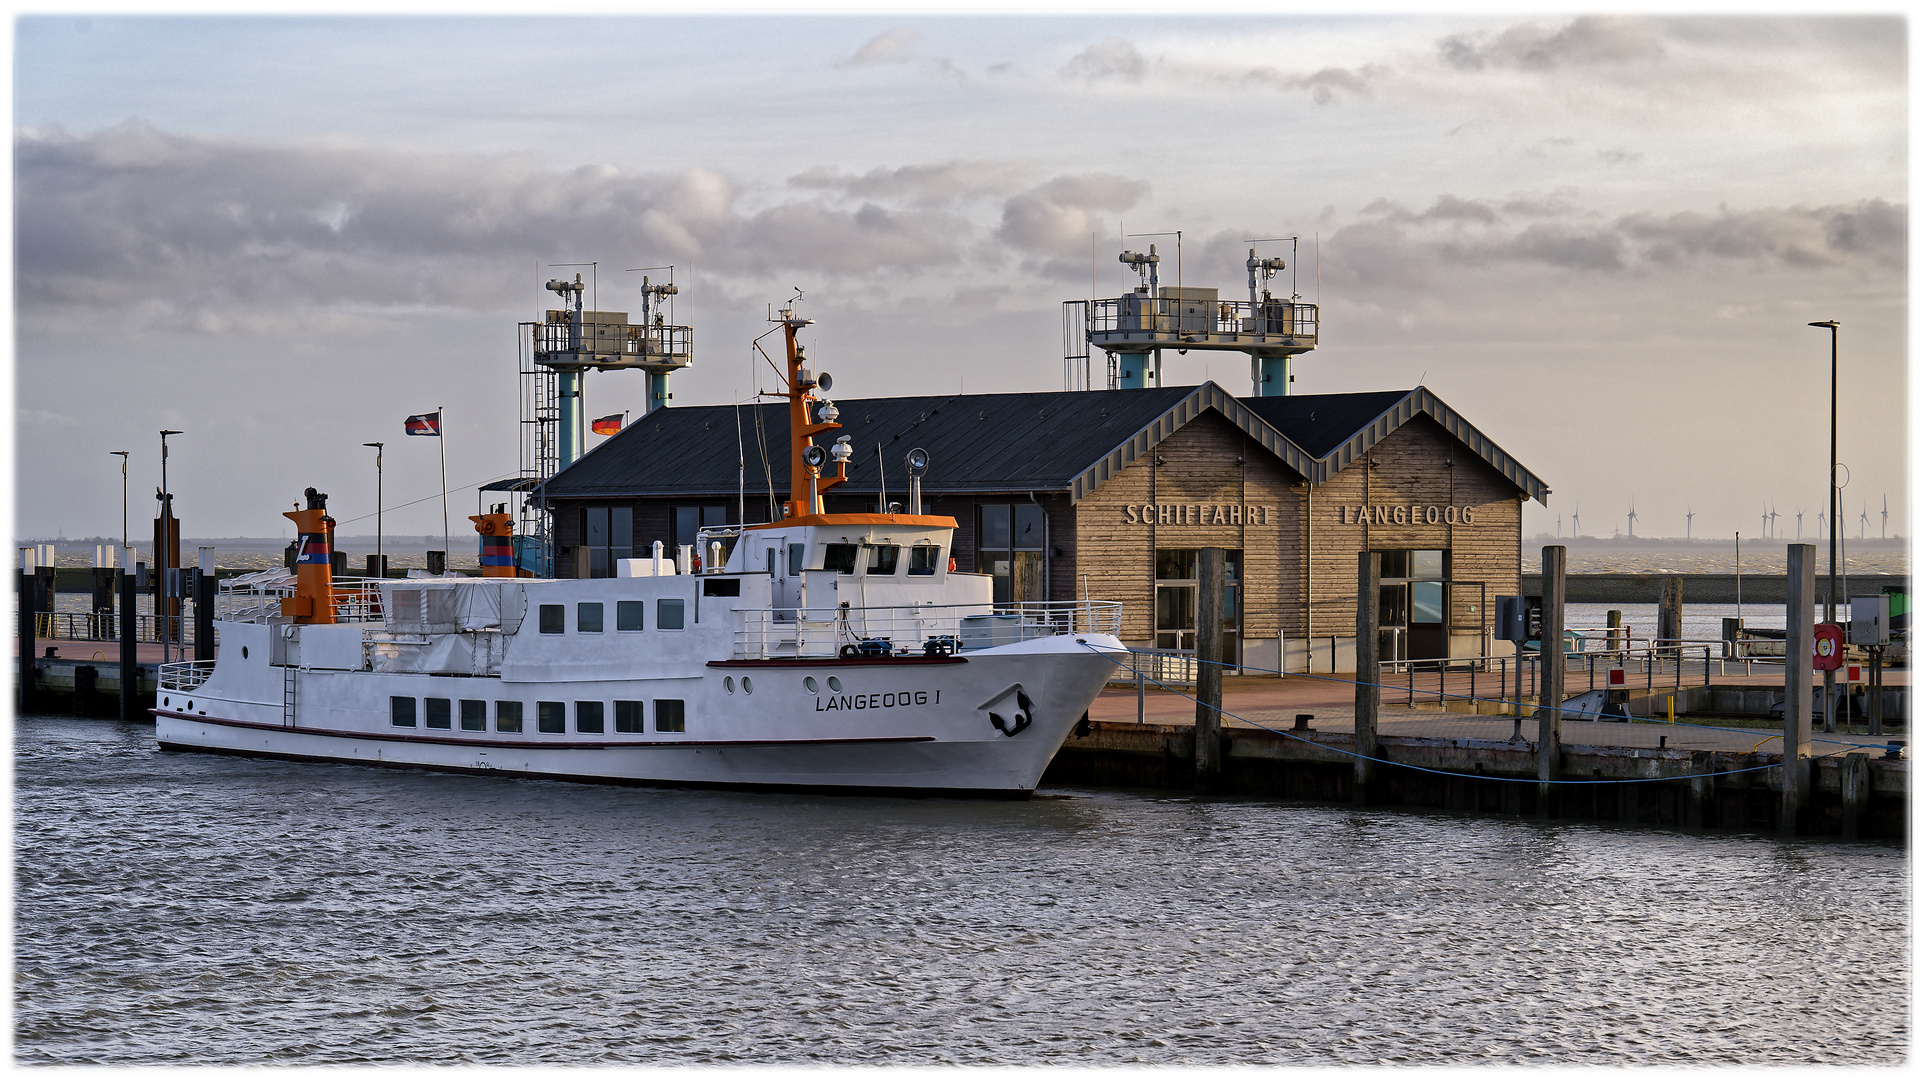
x: 1600, y: 239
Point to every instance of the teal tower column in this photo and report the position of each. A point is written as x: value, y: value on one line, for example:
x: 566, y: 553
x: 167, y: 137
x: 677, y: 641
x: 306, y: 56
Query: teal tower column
x: 1276, y: 376
x: 656, y: 390
x: 570, y: 420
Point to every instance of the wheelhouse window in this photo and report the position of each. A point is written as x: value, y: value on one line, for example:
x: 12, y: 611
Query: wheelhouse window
x: 507, y: 716
x: 440, y: 712
x: 553, y: 618
x: 590, y: 717
x: 587, y: 617
x: 883, y: 559
x: 839, y: 557
x: 670, y: 714
x: 1011, y: 541
x: 607, y: 532
x: 400, y: 711
x: 552, y: 717
x: 922, y: 559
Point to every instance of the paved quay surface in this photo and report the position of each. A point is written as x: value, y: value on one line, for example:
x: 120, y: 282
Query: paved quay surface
x: 1273, y: 703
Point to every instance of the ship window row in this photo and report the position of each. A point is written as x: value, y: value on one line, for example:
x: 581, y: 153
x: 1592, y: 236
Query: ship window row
x: 550, y: 717
x: 590, y: 616
x: 878, y: 560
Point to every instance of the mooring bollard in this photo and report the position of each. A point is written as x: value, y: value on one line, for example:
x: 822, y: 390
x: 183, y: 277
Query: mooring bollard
x: 1208, y: 660
x: 1548, y: 746
x: 1798, y: 684
x: 1367, y: 673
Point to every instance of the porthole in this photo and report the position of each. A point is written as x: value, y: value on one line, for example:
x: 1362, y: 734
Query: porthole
x: 243, y: 652
x: 166, y: 701
x: 834, y: 684
x: 728, y: 684
x: 190, y: 706
x: 747, y: 685
x: 813, y: 687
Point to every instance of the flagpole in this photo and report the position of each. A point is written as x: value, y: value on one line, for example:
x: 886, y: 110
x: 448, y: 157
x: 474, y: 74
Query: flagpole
x: 445, y: 533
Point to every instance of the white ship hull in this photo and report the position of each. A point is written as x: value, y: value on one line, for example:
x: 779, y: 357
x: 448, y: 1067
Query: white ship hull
x: 895, y: 725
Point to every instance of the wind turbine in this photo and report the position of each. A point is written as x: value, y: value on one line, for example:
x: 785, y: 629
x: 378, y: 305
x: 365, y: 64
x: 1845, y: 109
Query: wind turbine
x: 1577, y: 516
x: 1820, y: 517
x: 1631, y: 519
x: 1765, y: 523
x: 1690, y: 534
x: 1798, y: 526
x: 1885, y: 517
x: 1863, y: 533
x: 1772, y: 516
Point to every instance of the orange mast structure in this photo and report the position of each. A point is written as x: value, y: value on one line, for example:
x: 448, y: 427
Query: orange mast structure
x: 808, y: 416
x: 497, y: 542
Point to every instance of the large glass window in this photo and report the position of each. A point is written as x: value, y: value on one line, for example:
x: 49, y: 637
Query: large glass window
x: 628, y: 718
x: 473, y: 715
x: 670, y: 714
x: 507, y: 716
x: 401, y: 711
x: 553, y: 618
x: 440, y: 712
x: 590, y: 717
x: 552, y: 717
x: 1177, y: 600
x: 839, y: 557
x: 1012, y: 539
x: 607, y: 532
x: 923, y: 558
x: 688, y: 522
x: 1413, y: 613
x: 587, y: 617
x: 883, y: 558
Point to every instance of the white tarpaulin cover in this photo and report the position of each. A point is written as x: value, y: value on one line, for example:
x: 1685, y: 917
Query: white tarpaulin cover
x: 452, y: 605
x: 477, y: 653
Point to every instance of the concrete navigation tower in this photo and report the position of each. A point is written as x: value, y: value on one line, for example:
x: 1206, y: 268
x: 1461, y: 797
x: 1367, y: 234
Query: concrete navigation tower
x: 1133, y: 330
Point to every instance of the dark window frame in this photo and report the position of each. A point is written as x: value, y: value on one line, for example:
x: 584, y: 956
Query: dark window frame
x: 509, y: 712
x: 550, y: 717
x: 675, y: 718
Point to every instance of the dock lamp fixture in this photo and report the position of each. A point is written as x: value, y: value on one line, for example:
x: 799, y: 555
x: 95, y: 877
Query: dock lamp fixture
x: 123, y: 495
x: 163, y: 609
x: 380, y: 560
x: 1828, y: 609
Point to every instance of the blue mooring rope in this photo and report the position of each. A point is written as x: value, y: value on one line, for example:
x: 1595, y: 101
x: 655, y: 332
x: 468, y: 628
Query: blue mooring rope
x: 1401, y: 764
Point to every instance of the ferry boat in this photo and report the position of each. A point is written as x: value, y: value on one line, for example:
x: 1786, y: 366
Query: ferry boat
x: 837, y: 652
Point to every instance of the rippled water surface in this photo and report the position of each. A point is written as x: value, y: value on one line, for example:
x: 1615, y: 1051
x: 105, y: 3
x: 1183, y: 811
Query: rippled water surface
x: 190, y: 909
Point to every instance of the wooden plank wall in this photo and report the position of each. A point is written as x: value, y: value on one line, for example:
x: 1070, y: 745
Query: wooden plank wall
x: 1418, y: 465
x: 1209, y: 462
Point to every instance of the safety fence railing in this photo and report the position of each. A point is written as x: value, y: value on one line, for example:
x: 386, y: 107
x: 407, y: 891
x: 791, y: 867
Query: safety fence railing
x: 908, y: 629
x: 105, y: 626
x: 185, y: 675
x: 1647, y: 668
x: 1218, y: 321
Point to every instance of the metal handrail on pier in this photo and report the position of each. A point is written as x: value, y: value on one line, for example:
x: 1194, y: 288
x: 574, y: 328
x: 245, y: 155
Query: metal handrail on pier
x: 1493, y: 677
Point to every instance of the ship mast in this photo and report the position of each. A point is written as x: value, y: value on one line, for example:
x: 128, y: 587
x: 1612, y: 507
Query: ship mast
x: 808, y: 416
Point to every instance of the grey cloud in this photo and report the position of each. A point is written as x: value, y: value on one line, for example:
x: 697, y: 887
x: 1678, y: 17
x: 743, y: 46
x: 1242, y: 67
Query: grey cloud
x: 1588, y: 40
x: 895, y: 46
x: 1321, y: 85
x: 1055, y: 218
x: 1114, y: 58
x: 1618, y: 156
x: 183, y: 229
x: 1446, y: 208
x: 1872, y: 232
x: 921, y: 185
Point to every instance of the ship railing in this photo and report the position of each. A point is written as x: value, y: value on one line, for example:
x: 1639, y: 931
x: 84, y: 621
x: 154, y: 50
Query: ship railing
x: 185, y: 674
x: 257, y: 597
x: 915, y: 630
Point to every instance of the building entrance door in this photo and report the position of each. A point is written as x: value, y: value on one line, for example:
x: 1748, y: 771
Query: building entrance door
x: 1413, y: 616
x: 1177, y: 602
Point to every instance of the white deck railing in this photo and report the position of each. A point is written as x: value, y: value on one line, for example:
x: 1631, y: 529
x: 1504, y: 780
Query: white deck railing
x: 185, y: 674
x: 895, y: 631
x: 257, y: 597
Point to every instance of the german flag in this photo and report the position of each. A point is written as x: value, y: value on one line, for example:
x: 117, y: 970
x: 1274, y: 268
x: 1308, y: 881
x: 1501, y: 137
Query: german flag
x: 609, y: 424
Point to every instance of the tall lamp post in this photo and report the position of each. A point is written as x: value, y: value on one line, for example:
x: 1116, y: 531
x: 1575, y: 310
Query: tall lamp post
x: 1828, y: 609
x: 164, y: 542
x: 380, y: 558
x: 123, y: 497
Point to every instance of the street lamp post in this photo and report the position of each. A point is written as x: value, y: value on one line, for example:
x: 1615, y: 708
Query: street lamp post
x: 1828, y: 609
x: 123, y: 497
x: 162, y: 543
x: 380, y: 558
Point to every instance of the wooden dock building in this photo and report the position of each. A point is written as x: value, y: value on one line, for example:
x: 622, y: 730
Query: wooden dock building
x: 1110, y: 494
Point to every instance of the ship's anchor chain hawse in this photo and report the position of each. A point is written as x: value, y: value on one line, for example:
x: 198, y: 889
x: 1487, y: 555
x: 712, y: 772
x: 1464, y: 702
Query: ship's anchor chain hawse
x: 1024, y: 715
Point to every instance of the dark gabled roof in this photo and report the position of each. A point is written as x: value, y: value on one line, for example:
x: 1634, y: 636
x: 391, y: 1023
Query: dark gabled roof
x: 1069, y: 441
x: 1338, y: 428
